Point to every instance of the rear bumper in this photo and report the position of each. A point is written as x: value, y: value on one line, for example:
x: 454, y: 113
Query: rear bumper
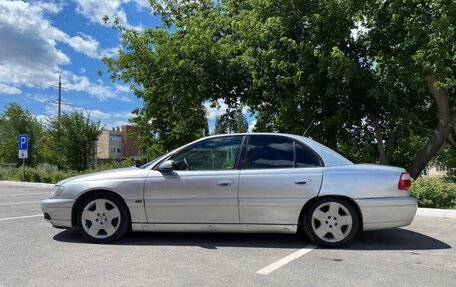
x: 387, y: 212
x: 57, y: 211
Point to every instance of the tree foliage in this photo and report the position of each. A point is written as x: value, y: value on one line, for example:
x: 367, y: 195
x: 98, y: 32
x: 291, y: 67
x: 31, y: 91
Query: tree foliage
x: 231, y: 123
x: 72, y: 141
x: 373, y: 78
x: 14, y: 121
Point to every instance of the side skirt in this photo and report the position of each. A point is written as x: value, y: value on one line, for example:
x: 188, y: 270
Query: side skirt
x: 178, y: 227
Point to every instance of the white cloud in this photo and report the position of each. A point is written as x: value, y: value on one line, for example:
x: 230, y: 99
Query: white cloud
x: 122, y: 88
x: 28, y: 53
x: 112, y: 124
x: 95, y: 11
x: 43, y: 118
x: 85, y: 45
x: 140, y: 3
x: 125, y: 99
x: 212, y: 113
x: 28, y: 48
x: 220, y: 109
x: 252, y: 126
x: 89, y: 46
x: 8, y: 90
x: 83, y: 84
x: 95, y: 114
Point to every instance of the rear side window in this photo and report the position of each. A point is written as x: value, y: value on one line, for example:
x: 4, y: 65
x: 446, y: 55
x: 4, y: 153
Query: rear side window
x: 305, y: 157
x: 266, y: 152
x: 269, y: 152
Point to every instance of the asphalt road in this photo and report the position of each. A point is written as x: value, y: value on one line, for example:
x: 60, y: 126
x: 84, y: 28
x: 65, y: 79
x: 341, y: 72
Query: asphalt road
x: 32, y: 253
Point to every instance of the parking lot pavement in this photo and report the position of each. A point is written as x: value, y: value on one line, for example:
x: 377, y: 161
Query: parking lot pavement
x: 32, y: 253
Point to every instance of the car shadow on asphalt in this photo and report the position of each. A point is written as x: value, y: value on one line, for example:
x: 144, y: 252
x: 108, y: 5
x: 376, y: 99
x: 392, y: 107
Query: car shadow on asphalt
x: 389, y: 239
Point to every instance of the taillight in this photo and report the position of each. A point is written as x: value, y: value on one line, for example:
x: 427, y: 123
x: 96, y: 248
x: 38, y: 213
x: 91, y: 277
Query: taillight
x: 404, y: 181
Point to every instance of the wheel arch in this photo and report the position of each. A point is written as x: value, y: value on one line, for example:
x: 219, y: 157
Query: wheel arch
x: 342, y: 197
x: 83, y: 196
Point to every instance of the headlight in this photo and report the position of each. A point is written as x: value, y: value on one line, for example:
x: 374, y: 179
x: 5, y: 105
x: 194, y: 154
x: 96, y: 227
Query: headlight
x: 56, y: 191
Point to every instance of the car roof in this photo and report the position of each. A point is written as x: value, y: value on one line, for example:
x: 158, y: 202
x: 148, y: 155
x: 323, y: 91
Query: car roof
x: 329, y: 156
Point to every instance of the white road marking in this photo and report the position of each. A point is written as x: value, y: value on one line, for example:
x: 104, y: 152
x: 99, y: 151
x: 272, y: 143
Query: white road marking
x: 287, y: 259
x: 21, y: 194
x: 19, y: 217
x: 22, y: 202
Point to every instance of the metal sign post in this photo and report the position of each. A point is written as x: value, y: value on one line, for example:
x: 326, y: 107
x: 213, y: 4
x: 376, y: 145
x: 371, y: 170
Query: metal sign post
x: 22, y: 144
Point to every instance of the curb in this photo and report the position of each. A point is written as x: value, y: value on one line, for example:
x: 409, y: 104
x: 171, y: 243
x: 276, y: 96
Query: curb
x: 434, y: 212
x: 21, y: 183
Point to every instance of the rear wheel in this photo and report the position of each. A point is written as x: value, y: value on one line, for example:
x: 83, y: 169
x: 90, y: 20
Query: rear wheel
x: 103, y: 218
x: 331, y: 222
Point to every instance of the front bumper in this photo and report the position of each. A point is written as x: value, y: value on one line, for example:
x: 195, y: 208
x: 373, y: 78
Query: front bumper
x: 387, y: 212
x: 57, y: 211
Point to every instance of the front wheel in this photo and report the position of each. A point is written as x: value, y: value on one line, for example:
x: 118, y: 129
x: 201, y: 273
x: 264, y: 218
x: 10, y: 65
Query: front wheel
x: 331, y: 222
x: 103, y: 218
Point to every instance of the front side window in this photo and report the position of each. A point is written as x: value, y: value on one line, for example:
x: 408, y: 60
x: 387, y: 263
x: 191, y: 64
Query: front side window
x: 211, y: 154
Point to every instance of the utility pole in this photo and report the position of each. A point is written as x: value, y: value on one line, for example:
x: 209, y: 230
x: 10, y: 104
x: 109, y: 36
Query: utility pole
x: 59, y: 101
x: 59, y: 104
x: 60, y: 97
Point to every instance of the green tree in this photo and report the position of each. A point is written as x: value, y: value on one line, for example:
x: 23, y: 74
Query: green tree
x: 387, y: 84
x: 71, y: 141
x: 14, y: 121
x: 414, y: 43
x: 366, y: 76
x: 234, y: 122
x: 176, y: 70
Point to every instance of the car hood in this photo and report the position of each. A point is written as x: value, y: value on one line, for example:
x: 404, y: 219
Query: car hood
x: 120, y: 173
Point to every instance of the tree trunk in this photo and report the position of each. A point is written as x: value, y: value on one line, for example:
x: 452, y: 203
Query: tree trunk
x: 442, y: 130
x: 385, y: 147
x: 384, y: 159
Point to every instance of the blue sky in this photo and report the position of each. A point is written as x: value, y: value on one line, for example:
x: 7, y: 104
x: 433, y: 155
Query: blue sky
x: 39, y: 40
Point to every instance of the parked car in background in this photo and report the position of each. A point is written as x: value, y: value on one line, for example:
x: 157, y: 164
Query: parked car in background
x: 253, y: 182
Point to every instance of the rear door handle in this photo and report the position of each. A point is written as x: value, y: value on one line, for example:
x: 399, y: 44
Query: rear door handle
x: 224, y: 183
x: 303, y: 182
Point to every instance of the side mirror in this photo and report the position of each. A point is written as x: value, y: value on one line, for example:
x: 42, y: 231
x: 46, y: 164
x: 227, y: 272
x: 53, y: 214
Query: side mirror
x: 166, y: 165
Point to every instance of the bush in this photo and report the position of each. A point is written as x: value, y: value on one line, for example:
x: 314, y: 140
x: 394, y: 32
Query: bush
x: 9, y: 173
x: 46, y: 167
x: 435, y: 192
x: 48, y: 173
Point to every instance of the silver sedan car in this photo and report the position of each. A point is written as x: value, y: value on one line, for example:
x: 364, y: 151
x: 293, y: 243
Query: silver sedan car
x: 258, y: 182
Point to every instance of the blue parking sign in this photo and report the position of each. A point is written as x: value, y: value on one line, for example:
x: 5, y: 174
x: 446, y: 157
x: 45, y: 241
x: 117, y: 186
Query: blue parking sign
x: 23, y: 142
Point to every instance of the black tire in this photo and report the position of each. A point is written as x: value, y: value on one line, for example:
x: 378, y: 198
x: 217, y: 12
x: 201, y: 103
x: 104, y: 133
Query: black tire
x: 334, y: 223
x: 122, y: 224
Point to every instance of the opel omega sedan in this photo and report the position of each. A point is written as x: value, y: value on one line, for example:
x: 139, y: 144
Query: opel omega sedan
x: 255, y: 182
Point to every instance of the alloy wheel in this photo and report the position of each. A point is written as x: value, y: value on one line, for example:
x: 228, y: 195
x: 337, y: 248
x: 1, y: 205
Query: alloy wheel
x: 332, y: 222
x: 101, y: 218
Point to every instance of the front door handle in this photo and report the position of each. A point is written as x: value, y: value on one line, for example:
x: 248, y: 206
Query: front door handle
x: 224, y: 183
x: 303, y: 182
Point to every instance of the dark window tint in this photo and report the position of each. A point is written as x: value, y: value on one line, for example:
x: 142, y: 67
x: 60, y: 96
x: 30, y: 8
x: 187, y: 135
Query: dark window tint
x: 270, y: 152
x: 211, y: 154
x: 305, y: 157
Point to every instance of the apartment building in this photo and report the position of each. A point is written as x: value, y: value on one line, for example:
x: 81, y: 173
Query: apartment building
x: 117, y: 143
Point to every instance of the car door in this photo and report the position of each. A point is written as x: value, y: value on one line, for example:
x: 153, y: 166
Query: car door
x: 201, y: 188
x: 278, y: 177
